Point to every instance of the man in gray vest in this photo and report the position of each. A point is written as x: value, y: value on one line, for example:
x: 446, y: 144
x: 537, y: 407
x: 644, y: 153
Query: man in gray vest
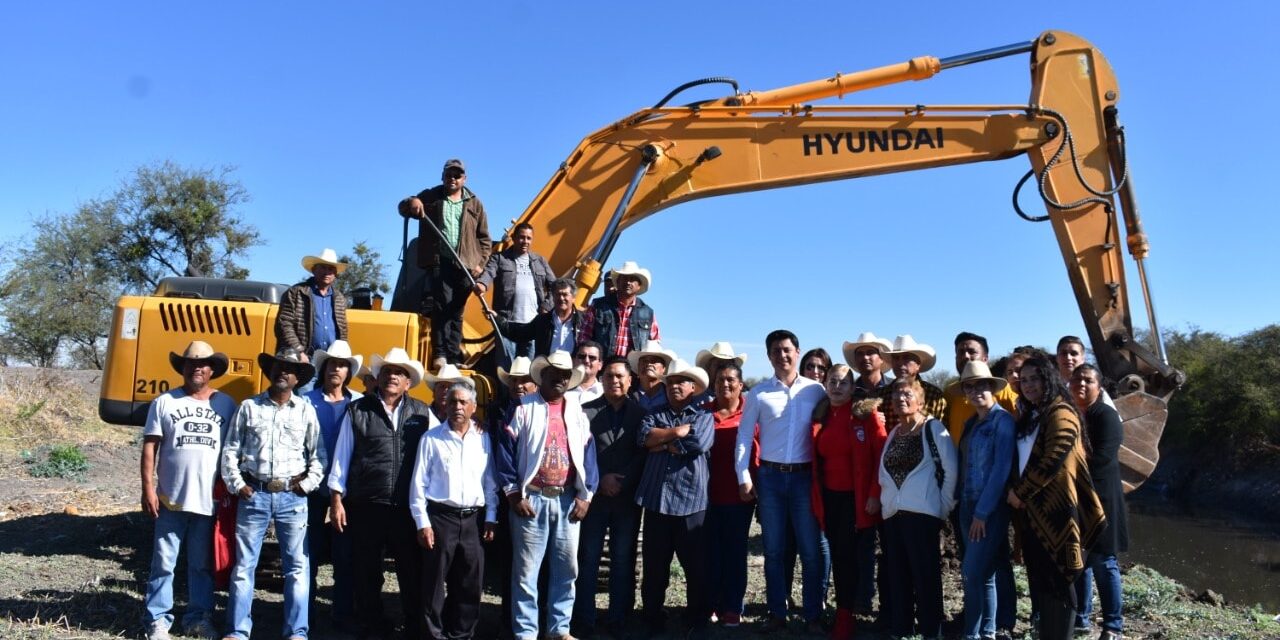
x: 621, y: 322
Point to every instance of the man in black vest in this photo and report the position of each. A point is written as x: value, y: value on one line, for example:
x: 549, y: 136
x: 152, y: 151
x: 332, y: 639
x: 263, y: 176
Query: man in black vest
x: 369, y: 488
x: 622, y: 322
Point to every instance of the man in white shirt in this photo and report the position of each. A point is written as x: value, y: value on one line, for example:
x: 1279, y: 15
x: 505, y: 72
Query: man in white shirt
x: 782, y: 409
x: 453, y: 484
x: 180, y: 445
x: 587, y: 357
x: 369, y: 489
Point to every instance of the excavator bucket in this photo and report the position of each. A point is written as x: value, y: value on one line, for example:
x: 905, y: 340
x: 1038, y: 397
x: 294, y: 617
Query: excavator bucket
x: 1143, y: 416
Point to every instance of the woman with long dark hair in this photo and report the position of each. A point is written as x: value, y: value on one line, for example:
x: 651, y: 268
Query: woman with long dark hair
x: 1054, y: 503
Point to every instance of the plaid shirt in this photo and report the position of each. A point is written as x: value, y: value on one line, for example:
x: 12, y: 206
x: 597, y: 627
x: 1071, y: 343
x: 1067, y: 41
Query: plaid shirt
x: 622, y: 341
x: 935, y: 403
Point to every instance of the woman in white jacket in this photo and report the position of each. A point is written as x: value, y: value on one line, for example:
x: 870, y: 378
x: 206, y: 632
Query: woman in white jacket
x: 917, y: 491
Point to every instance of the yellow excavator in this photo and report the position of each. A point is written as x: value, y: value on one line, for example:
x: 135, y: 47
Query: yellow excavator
x: 664, y: 155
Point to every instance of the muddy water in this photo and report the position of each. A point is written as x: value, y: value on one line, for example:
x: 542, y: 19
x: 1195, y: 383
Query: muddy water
x: 1238, y: 560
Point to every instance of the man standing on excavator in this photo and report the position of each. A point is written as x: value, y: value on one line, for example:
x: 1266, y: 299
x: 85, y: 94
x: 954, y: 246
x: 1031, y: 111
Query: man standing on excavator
x: 453, y: 246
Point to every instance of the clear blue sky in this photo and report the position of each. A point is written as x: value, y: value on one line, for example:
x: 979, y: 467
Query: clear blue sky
x: 334, y: 111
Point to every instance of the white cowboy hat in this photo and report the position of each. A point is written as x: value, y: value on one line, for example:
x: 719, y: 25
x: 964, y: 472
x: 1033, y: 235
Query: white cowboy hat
x: 681, y: 369
x: 719, y: 351
x: 977, y: 370
x: 868, y: 339
x: 906, y: 344
x: 449, y: 373
x: 559, y: 360
x: 200, y: 350
x: 291, y: 358
x: 341, y: 350
x: 328, y: 256
x: 630, y: 268
x: 651, y: 349
x: 519, y: 369
x: 400, y: 358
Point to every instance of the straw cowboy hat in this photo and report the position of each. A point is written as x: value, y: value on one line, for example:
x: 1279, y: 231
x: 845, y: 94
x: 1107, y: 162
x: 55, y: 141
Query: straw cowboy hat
x: 681, y: 369
x: 630, y: 268
x: 977, y: 370
x: 290, y: 358
x: 340, y: 350
x: 906, y: 344
x: 559, y: 360
x: 200, y: 350
x: 519, y: 369
x: 719, y: 351
x: 328, y: 256
x: 448, y: 373
x: 400, y: 358
x: 651, y: 349
x: 868, y: 339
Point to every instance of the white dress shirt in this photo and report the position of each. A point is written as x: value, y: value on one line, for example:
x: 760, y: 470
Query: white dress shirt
x: 341, y: 459
x: 587, y: 394
x: 455, y: 470
x: 562, y: 334
x: 784, y: 416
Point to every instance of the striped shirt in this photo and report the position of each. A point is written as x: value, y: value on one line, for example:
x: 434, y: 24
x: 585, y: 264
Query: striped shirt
x: 675, y: 484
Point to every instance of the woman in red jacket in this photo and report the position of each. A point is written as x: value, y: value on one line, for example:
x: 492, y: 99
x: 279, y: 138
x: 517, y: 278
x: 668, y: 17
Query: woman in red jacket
x: 847, y: 441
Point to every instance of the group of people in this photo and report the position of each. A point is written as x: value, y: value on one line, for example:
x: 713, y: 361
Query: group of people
x: 597, y: 431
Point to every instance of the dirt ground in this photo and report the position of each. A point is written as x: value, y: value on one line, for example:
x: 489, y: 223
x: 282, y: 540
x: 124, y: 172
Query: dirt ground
x: 75, y: 555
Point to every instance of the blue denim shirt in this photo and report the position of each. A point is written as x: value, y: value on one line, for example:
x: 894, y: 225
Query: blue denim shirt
x: 986, y: 457
x: 675, y: 484
x: 325, y: 329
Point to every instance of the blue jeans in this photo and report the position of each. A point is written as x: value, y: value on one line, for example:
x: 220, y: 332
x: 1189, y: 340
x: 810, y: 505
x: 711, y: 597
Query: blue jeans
x: 289, y: 511
x: 785, y: 502
x: 620, y: 518
x: 174, y: 529
x: 1106, y: 569
x: 727, y: 528
x: 548, y: 531
x: 978, y: 571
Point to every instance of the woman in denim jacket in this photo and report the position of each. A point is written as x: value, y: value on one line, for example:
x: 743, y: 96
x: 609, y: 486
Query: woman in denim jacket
x: 986, y: 457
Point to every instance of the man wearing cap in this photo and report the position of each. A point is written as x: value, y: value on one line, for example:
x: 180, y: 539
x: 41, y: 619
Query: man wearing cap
x: 650, y: 366
x: 458, y: 214
x: 711, y: 359
x: 272, y: 459
x: 867, y: 356
x: 335, y: 368
x: 782, y: 408
x: 547, y: 470
x: 673, y: 492
x: 521, y: 282
x: 910, y: 359
x: 622, y: 322
x: 369, y: 489
x: 452, y: 488
x: 553, y: 330
x: 313, y: 313
x: 588, y: 356
x: 180, y: 446
x: 615, y: 423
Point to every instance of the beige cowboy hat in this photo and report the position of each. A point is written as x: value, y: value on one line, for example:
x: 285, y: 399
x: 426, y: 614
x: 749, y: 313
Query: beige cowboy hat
x: 341, y: 350
x: 681, y: 369
x: 291, y: 358
x: 906, y: 344
x: 651, y: 349
x: 200, y: 350
x: 868, y: 339
x: 328, y: 256
x: 559, y: 360
x: 400, y: 358
x: 449, y: 373
x: 977, y: 370
x: 719, y: 351
x: 519, y: 369
x: 630, y: 268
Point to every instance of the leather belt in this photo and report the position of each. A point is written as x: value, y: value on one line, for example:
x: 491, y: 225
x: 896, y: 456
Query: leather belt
x: 461, y: 512
x: 275, y: 485
x: 547, y: 492
x: 787, y: 467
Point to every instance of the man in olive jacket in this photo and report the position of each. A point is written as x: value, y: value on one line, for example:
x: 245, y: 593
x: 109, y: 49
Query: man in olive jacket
x: 457, y: 212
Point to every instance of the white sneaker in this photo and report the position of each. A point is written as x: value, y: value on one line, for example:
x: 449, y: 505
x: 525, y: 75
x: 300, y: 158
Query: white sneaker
x: 157, y: 630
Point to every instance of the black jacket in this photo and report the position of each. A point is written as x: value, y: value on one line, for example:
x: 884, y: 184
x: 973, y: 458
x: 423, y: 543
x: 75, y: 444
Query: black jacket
x: 541, y: 330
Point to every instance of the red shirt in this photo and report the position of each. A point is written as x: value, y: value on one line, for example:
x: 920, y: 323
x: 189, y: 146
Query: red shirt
x: 556, y: 468
x: 834, y: 448
x: 866, y: 443
x: 723, y: 483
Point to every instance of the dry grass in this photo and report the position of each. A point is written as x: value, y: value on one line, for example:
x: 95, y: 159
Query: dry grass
x: 45, y: 407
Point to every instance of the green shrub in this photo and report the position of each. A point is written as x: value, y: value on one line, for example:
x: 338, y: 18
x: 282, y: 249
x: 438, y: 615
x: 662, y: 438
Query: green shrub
x: 63, y: 461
